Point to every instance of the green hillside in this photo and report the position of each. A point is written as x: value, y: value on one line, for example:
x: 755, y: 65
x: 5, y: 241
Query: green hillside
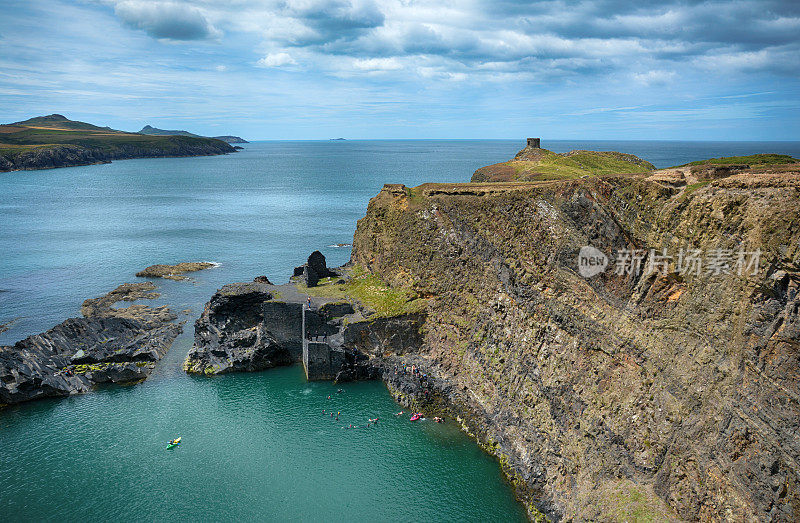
x: 55, y: 141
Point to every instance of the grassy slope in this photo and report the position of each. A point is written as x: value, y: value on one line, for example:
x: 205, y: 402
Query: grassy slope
x: 46, y: 132
x: 554, y: 166
x: 370, y: 291
x: 753, y: 159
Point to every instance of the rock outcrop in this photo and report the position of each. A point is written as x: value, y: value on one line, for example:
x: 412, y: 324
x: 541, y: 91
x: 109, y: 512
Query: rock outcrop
x: 174, y: 272
x: 255, y: 326
x: 230, y: 335
x: 108, y: 345
x: 669, y: 394
x: 314, y: 270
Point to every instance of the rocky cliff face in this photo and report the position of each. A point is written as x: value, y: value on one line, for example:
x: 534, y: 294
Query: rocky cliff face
x: 672, y: 394
x: 108, y: 345
x: 230, y: 335
x: 256, y: 326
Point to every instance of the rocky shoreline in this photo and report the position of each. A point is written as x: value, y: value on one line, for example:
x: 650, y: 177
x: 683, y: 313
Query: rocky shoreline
x: 107, y: 345
x: 53, y: 141
x: 615, y: 394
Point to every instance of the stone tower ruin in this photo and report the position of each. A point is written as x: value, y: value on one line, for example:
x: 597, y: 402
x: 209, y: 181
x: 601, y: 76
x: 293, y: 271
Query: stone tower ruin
x: 533, y: 142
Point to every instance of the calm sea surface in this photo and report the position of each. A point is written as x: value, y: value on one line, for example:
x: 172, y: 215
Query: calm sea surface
x: 255, y: 445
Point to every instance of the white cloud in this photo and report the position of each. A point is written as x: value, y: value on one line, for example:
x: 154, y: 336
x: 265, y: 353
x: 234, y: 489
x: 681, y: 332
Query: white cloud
x: 377, y: 64
x: 655, y: 77
x: 277, y: 60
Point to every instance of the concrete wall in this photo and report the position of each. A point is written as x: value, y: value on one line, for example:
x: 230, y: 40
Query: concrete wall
x: 321, y: 362
x: 285, y: 321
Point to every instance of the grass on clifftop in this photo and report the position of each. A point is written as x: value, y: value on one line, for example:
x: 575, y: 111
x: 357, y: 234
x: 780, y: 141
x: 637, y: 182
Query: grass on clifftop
x: 370, y: 290
x: 553, y: 166
x: 753, y: 159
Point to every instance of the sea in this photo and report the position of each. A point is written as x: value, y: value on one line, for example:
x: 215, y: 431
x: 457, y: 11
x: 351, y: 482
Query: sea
x: 254, y: 446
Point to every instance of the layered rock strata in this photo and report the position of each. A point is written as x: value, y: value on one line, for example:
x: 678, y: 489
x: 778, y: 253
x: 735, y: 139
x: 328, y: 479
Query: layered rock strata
x: 671, y: 394
x: 107, y: 345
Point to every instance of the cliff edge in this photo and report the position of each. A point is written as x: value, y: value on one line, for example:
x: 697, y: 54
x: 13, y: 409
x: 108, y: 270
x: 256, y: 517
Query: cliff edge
x: 627, y: 345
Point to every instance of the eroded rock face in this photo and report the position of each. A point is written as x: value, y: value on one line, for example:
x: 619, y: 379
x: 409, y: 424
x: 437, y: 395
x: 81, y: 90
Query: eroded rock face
x: 230, y: 335
x: 679, y: 389
x: 109, y: 345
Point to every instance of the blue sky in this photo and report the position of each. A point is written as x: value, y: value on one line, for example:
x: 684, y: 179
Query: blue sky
x: 312, y: 69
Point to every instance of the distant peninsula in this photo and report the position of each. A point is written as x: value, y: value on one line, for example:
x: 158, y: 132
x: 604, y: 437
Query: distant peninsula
x: 154, y: 131
x: 47, y: 142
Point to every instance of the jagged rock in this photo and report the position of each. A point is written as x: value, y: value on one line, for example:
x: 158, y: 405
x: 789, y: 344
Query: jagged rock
x: 316, y: 261
x: 314, y: 270
x: 75, y: 355
x: 230, y: 335
x: 101, y: 307
x: 262, y: 279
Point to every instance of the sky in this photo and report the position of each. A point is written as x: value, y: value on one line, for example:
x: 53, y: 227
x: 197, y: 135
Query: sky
x: 314, y: 69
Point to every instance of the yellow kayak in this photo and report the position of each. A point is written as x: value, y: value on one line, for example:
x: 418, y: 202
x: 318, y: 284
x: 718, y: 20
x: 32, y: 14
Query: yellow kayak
x: 174, y: 443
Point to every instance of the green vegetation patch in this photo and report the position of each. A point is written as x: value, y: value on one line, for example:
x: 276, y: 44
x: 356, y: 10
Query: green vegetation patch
x: 91, y: 367
x: 693, y: 187
x: 553, y: 166
x: 627, y: 502
x: 753, y: 159
x: 370, y: 290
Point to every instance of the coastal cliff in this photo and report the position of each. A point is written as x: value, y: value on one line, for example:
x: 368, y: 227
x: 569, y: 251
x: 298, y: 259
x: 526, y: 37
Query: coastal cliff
x: 607, y: 391
x: 53, y: 141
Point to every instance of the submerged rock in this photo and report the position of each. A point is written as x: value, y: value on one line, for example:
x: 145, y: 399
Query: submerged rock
x: 174, y: 272
x: 108, y: 345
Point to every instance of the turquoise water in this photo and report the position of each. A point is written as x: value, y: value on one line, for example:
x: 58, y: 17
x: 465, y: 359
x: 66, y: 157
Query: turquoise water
x: 255, y: 446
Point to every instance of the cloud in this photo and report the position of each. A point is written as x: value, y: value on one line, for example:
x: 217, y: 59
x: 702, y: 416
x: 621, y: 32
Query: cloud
x: 168, y: 20
x: 277, y: 60
x: 332, y: 20
x: 546, y: 39
x: 651, y: 78
x: 377, y: 64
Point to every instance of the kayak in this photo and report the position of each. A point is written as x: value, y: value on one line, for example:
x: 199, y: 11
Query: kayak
x: 416, y: 416
x: 174, y: 443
